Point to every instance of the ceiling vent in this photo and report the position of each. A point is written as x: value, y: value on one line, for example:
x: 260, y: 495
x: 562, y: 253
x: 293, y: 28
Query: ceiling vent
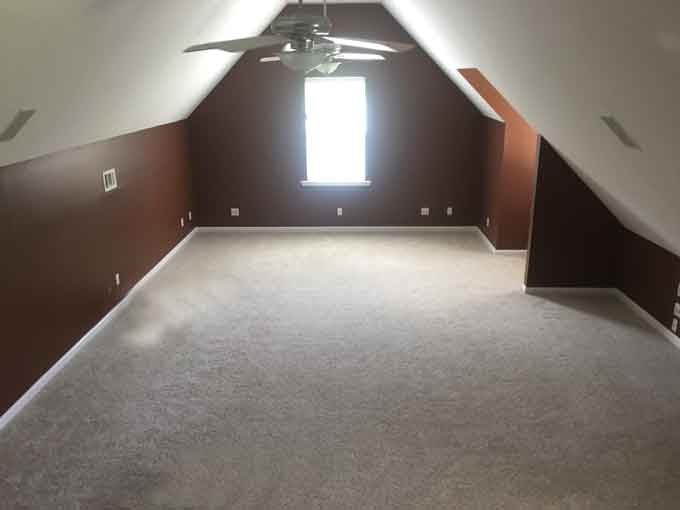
x: 619, y: 131
x: 17, y: 124
x: 110, y: 180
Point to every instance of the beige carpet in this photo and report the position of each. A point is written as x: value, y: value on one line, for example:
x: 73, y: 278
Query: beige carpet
x: 353, y: 371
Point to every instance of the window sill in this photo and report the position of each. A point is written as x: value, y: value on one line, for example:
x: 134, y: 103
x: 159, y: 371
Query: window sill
x: 326, y: 184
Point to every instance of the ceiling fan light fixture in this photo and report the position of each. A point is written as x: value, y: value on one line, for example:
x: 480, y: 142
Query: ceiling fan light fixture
x: 328, y: 67
x: 302, y: 61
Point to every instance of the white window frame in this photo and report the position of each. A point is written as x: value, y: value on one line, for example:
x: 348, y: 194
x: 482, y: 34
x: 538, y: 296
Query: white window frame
x: 313, y: 180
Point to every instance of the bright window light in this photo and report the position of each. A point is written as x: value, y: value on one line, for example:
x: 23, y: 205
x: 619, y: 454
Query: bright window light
x: 336, y: 130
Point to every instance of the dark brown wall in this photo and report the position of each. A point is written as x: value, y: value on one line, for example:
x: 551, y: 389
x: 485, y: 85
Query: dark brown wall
x: 577, y: 242
x: 649, y: 275
x: 491, y: 205
x: 508, y: 183
x: 63, y: 239
x: 574, y: 237
x: 248, y: 142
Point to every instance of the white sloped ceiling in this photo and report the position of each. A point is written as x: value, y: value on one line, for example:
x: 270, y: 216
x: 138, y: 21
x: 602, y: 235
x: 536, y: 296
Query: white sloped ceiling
x: 565, y: 63
x: 94, y: 69
x: 99, y: 68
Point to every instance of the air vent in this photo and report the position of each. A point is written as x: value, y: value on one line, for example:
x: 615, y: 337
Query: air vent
x: 110, y: 180
x: 618, y: 130
x: 17, y: 124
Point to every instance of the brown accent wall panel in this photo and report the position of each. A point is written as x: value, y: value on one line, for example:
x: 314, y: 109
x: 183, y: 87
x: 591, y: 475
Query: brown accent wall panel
x: 423, y: 145
x: 649, y: 275
x: 574, y: 237
x: 64, y: 238
x: 509, y: 186
x: 491, y: 179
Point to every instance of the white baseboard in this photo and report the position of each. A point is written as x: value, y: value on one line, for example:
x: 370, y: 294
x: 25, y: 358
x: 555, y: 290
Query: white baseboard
x: 510, y: 252
x: 485, y: 240
x: 647, y: 317
x: 475, y: 229
x: 338, y: 229
x: 584, y: 291
x: 493, y: 249
x: 574, y: 291
x: 70, y: 354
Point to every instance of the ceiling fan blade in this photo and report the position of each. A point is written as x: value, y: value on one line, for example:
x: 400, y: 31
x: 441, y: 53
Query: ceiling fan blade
x: 359, y: 56
x: 238, y: 45
x: 393, y: 47
x: 270, y: 59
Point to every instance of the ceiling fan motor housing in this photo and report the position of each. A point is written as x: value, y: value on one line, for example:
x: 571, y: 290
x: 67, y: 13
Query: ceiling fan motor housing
x: 301, y: 26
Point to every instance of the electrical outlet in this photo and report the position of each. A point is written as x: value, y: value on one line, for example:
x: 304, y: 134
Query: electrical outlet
x: 676, y: 310
x: 424, y: 211
x: 449, y: 211
x: 235, y: 211
x: 181, y: 222
x: 674, y: 327
x: 488, y: 221
x: 339, y: 211
x: 117, y: 278
x: 190, y: 215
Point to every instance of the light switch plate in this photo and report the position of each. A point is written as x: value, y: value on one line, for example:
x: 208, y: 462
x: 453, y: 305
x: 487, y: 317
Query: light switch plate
x: 235, y: 211
x: 181, y: 222
x: 424, y: 211
x: 117, y: 278
x: 488, y: 221
x: 190, y: 215
x: 449, y: 211
x: 339, y: 211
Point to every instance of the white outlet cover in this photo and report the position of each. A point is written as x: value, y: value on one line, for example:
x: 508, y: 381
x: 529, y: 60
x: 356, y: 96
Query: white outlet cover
x: 235, y: 211
x: 674, y: 327
x: 181, y: 222
x: 676, y: 310
x: 117, y: 278
x: 424, y: 211
x: 449, y: 211
x: 190, y: 216
x: 339, y: 211
x: 488, y: 221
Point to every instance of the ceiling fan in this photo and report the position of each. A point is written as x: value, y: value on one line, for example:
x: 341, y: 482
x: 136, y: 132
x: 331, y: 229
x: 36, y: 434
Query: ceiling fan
x: 305, y: 44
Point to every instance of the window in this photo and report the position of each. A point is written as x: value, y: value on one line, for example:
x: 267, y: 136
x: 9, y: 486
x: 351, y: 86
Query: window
x: 335, y: 109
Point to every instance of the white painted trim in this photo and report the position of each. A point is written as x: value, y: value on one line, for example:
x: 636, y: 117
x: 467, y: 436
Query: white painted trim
x: 510, y: 252
x: 337, y: 229
x: 326, y: 184
x: 329, y: 229
x: 574, y: 291
x: 493, y: 249
x: 647, y: 317
x: 25, y: 399
x: 584, y: 291
x: 486, y: 240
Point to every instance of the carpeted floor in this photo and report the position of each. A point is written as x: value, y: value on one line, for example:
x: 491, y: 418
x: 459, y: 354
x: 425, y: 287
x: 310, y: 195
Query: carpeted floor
x: 353, y: 371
